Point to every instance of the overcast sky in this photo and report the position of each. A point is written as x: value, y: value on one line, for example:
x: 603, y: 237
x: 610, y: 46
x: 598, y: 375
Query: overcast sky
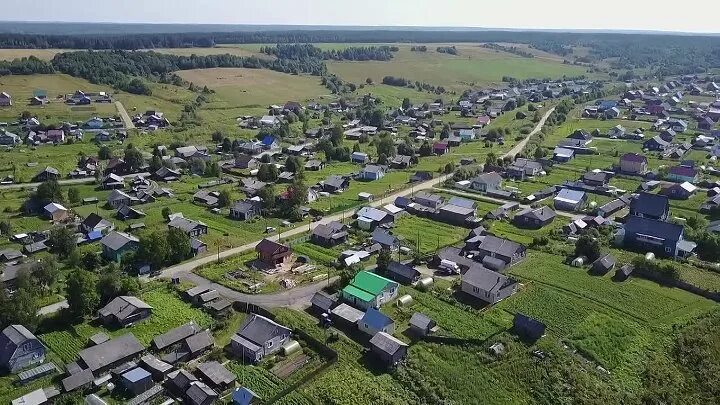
x: 702, y: 15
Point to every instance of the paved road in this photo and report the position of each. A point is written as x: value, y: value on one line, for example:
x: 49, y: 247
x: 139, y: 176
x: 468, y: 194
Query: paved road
x: 300, y: 295
x: 124, y: 115
x: 52, y: 308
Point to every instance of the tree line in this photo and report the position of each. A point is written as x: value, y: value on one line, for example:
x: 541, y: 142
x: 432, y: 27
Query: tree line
x: 353, y: 53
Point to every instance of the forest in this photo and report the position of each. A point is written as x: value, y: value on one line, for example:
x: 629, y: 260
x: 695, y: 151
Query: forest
x: 353, y: 53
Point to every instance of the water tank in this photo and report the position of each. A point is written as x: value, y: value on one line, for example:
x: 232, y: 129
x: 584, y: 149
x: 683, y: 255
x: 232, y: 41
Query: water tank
x: 650, y: 256
x: 593, y: 205
x: 404, y: 301
x: 578, y: 261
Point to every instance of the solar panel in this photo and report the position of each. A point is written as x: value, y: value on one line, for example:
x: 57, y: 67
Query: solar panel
x: 37, y: 372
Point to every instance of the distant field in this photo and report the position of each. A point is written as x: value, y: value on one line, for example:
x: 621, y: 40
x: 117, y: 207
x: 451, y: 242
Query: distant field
x: 45, y: 54
x: 473, y: 66
x: 254, y: 87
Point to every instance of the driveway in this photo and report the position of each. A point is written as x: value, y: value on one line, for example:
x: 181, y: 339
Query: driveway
x: 124, y: 115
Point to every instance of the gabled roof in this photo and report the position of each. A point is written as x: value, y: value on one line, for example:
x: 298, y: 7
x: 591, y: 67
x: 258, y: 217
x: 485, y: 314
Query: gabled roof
x: 402, y: 270
x: 420, y: 320
x: 270, y: 247
x: 372, y: 213
x: 376, y: 319
x: 387, y: 343
x: 500, y: 246
x: 654, y: 205
x: 487, y: 178
x: 384, y: 238
x: 570, y: 196
x: 117, y: 240
x: 105, y: 354
x: 94, y: 221
x: 370, y: 282
x: 216, y: 373
x: 542, y: 214
x: 122, y: 307
x: 634, y: 157
x: 17, y: 334
x: 184, y: 224
x: 199, y: 341
x: 484, y: 279
x: 654, y: 228
x: 259, y: 329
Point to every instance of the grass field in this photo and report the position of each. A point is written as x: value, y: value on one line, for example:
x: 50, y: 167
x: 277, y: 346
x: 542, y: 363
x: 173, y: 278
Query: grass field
x: 429, y: 235
x: 238, y: 87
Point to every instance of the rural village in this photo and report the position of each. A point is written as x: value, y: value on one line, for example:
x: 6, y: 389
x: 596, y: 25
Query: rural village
x: 250, y: 236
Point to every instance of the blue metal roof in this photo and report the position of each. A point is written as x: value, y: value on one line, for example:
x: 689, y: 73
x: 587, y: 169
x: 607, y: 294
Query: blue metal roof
x: 268, y: 140
x: 243, y: 396
x: 376, y: 319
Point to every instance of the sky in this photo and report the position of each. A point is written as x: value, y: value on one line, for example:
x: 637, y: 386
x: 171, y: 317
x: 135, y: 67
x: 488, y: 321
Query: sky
x: 529, y: 14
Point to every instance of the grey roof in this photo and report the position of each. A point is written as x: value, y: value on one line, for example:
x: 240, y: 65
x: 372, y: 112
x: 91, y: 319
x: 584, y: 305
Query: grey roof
x: 456, y: 209
x: 16, y: 334
x: 387, y: 343
x: 330, y: 231
x: 216, y: 373
x: 105, y: 354
x: 347, y: 313
x: 654, y: 205
x: 116, y: 240
x: 373, y: 169
x: 259, y: 329
x: 655, y: 228
x: 184, y: 224
x: 152, y: 363
x: 372, y: 213
x: 98, y: 338
x: 197, y: 290
x: 462, y: 202
x: 488, y: 178
x: 181, y: 378
x: 421, y: 321
x: 541, y: 214
x: 122, y: 307
x: 572, y: 196
x: 199, y: 392
x: 94, y: 221
x: 36, y: 397
x: 485, y: 279
x: 335, y: 181
x: 429, y: 197
x: 605, y: 262
x: 500, y: 246
x: 175, y: 335
x: 77, y: 380
x: 199, y: 341
x: 384, y: 238
x: 118, y: 195
x: 243, y: 206
x: 323, y: 300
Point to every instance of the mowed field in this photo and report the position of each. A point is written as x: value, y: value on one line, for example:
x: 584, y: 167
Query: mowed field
x: 239, y: 87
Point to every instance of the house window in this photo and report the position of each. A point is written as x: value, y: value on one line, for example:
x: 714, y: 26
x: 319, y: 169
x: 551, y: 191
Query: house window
x: 476, y: 290
x: 269, y: 344
x: 27, y: 347
x: 668, y: 250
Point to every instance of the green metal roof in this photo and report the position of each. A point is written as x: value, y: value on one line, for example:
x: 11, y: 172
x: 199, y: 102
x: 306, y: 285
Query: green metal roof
x: 370, y: 282
x: 358, y: 293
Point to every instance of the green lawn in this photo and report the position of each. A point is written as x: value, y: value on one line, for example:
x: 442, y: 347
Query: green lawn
x: 426, y: 235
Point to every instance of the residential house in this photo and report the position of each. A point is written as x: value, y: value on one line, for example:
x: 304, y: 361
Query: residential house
x: 612, y: 207
x: 681, y: 174
x: 251, y: 186
x: 487, y: 285
x: 603, y: 265
x: 534, y: 218
x: 94, y: 123
x: 190, y: 227
x: 101, y: 358
x: 466, y: 134
x: 270, y: 143
x: 369, y: 218
x: 425, y: 199
x: 314, y: 165
x: 612, y: 113
x: 679, y: 191
x: 175, y: 336
x: 401, y: 162
x: 388, y: 348
x: 270, y: 121
x: 119, y: 198
x: 617, y: 132
x: 563, y: 155
x: 19, y: 349
x: 258, y: 337
x: 505, y: 252
x: 440, y: 148
x: 656, y: 144
x: 458, y: 211
x: 596, y: 179
x: 359, y: 157
x: 374, y: 321
x: 385, y: 240
x: 678, y: 125
x: 705, y: 123
x: 369, y: 290
x: 668, y: 135
x: 55, y: 212
x: 112, y: 181
x: 166, y: 174
x: 49, y: 173
x: 336, y: 184
x: 272, y: 253
x: 581, y: 135
x: 486, y: 182
x: 652, y: 206
x: 322, y: 303
x: 123, y: 311
x: 331, y: 234
x: 421, y: 176
x: 245, y: 210
x: 402, y: 273
x: 372, y: 172
x: 633, y: 163
x: 662, y: 238
x: 523, y: 168
x: 116, y: 244
x: 192, y: 152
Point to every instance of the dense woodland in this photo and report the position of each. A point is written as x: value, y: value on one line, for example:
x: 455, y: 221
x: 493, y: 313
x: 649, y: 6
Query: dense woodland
x: 354, y: 53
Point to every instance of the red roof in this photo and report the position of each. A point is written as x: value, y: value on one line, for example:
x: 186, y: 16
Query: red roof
x: 683, y: 171
x: 440, y: 145
x: 483, y: 120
